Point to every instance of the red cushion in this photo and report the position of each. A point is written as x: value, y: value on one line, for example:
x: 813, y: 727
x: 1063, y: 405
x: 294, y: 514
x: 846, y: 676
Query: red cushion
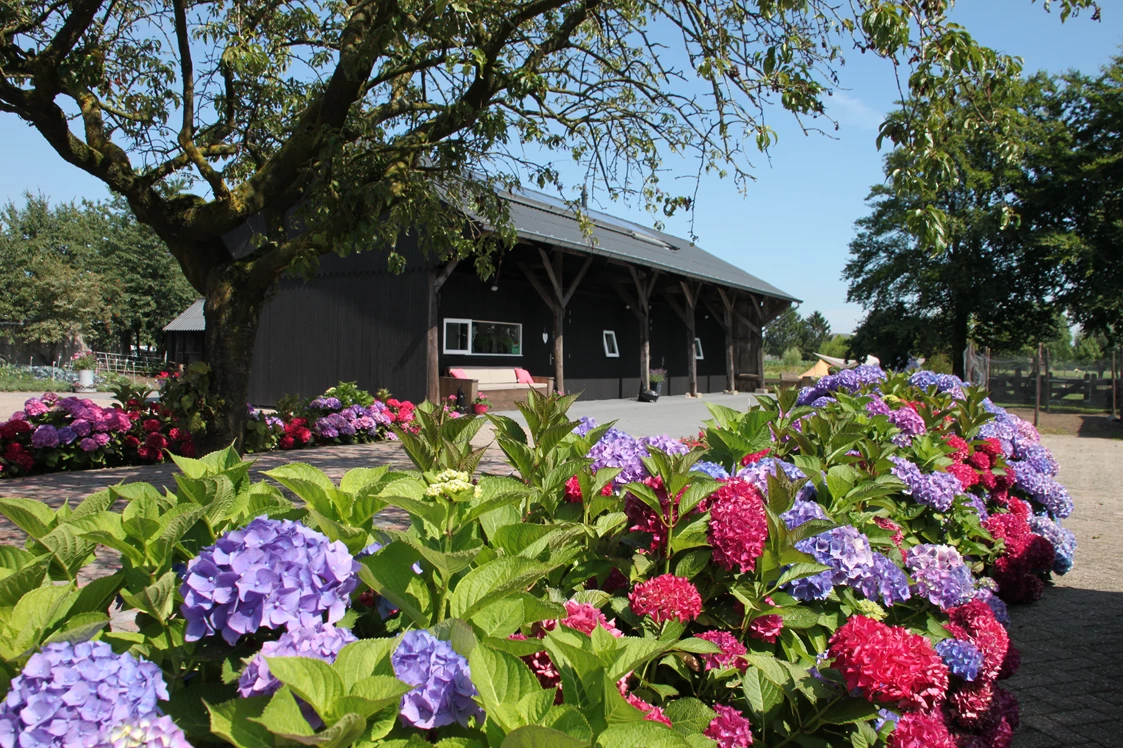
x: 458, y: 373
x: 523, y: 376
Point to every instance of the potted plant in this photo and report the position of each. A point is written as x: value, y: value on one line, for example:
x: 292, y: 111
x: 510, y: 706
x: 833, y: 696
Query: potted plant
x: 480, y: 404
x: 84, y: 362
x: 657, y: 376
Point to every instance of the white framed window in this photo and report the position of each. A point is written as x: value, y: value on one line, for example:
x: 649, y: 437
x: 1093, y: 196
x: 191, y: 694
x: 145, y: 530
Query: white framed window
x: 698, y: 349
x: 475, y: 337
x: 611, y: 350
x: 458, y: 333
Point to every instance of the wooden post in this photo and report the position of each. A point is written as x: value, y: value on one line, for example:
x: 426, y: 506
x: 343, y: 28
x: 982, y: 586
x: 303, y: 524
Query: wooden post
x: 1114, y: 380
x: 437, y: 279
x: 557, y: 298
x: 1037, y: 390
x: 987, y: 375
x: 1048, y: 383
x: 644, y: 286
x: 727, y: 302
x: 686, y: 312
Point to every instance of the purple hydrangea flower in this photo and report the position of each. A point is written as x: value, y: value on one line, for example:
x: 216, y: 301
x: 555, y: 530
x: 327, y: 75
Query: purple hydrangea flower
x: 937, y: 490
x: 1042, y: 488
x: 443, y: 690
x: 852, y: 564
x: 664, y: 443
x: 1063, y: 540
x: 940, y: 574
x: 822, y: 401
x: 757, y: 473
x: 620, y: 450
x: 585, y: 424
x: 89, y: 444
x: 909, y: 422
x: 993, y: 601
x: 101, y: 439
x: 66, y: 435
x: 712, y: 469
x: 149, y: 733
x: 45, y: 437
x: 321, y: 641
x: 72, y: 695
x: 802, y: 511
x: 81, y: 427
x: 35, y: 407
x: 1036, y: 456
x: 269, y: 574
x: 962, y: 657
x: 380, y: 413
x: 924, y: 379
x: 878, y: 407
x: 326, y: 403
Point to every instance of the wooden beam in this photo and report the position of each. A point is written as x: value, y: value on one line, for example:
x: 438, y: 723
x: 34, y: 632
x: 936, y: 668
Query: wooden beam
x: 437, y: 279
x: 714, y: 309
x: 630, y: 300
x: 576, y: 281
x: 555, y: 278
x: 547, y: 297
x: 673, y: 303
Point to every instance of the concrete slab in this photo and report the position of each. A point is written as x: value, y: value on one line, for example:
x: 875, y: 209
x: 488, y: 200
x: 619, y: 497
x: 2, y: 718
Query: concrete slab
x: 674, y: 416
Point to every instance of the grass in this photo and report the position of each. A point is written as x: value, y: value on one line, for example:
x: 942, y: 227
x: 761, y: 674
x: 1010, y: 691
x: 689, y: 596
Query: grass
x: 776, y: 368
x: 24, y: 383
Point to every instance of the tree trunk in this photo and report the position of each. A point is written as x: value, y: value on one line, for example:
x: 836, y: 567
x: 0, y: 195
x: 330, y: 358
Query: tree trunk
x: 959, y: 335
x: 232, y: 310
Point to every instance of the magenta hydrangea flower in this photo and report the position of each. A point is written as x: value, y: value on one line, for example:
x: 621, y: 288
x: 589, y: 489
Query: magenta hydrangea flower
x: 732, y: 651
x: 270, y: 574
x: 35, y: 407
x: 738, y: 526
x: 584, y: 618
x: 730, y: 728
x: 73, y: 695
x: 665, y: 598
x: 443, y: 690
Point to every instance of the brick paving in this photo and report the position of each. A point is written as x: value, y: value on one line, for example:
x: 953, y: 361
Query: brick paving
x: 1071, y: 640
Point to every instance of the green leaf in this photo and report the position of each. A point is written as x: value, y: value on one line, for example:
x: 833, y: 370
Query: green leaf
x: 799, y: 571
x: 282, y: 716
x: 691, y: 564
x: 762, y: 694
x: 646, y: 734
x: 156, y: 599
x: 389, y: 573
x: 235, y: 721
x: 16, y: 585
x: 689, y: 715
x: 31, y: 516
x: 489, y: 583
x: 95, y: 596
x: 79, y: 628
x: 503, y: 680
x: 312, y: 680
x: 851, y: 710
x: 536, y: 736
x: 365, y: 658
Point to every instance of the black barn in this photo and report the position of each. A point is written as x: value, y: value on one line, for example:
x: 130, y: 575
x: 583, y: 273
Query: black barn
x: 563, y: 304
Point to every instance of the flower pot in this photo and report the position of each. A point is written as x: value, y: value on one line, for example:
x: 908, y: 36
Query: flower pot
x: 86, y: 380
x: 479, y: 409
x: 657, y: 387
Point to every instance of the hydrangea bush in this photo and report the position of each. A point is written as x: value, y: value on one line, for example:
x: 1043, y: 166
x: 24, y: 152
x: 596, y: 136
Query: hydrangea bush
x: 830, y: 568
x: 67, y: 433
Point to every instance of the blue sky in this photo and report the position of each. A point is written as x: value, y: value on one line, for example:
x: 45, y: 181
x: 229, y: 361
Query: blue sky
x: 793, y: 227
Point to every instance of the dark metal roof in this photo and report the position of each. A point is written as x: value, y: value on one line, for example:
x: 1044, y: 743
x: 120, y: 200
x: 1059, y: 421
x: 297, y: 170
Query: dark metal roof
x: 536, y: 216
x: 191, y: 320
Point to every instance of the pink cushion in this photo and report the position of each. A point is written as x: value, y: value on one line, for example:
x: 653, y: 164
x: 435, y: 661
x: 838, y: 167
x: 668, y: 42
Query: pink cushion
x: 523, y: 376
x: 458, y: 373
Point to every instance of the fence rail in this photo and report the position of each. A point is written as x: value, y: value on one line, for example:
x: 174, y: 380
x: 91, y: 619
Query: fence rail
x: 129, y: 365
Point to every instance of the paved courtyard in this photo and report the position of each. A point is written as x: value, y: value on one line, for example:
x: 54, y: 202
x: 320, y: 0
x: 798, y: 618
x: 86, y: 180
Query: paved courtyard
x: 1071, y: 640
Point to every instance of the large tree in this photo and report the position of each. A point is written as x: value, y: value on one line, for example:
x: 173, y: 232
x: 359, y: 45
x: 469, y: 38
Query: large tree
x: 358, y: 120
x: 992, y: 283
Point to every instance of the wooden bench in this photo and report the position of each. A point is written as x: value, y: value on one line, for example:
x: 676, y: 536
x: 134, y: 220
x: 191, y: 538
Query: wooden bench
x: 501, y: 385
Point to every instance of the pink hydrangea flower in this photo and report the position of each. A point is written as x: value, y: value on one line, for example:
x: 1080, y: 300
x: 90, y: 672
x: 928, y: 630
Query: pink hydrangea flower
x: 666, y: 598
x: 731, y: 650
x: 766, y: 628
x: 584, y: 618
x: 738, y: 525
x: 729, y: 729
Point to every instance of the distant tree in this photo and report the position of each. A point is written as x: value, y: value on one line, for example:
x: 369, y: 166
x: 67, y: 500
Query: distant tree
x: 818, y: 333
x: 789, y: 330
x: 1090, y: 347
x: 50, y: 292
x: 836, y: 347
x: 990, y: 284
x: 893, y: 335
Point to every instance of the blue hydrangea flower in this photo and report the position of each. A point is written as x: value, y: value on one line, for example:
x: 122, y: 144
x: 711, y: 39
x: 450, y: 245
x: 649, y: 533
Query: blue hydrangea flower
x: 1063, y: 540
x: 664, y: 443
x: 757, y: 473
x: 803, y: 511
x: 1036, y: 456
x: 270, y: 574
x: 620, y: 450
x: 72, y: 695
x: 822, y: 401
x: 149, y: 733
x: 993, y: 601
x: 852, y: 564
x: 924, y: 379
x: 444, y: 692
x: 1042, y: 488
x: 321, y: 641
x: 585, y: 424
x: 962, y: 657
x: 937, y: 490
x: 940, y: 574
x: 712, y: 469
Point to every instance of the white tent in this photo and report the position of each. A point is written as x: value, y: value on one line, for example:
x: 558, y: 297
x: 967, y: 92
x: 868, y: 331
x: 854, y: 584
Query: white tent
x: 843, y: 363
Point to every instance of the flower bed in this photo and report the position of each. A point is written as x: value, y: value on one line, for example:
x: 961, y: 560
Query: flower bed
x: 828, y: 571
x: 54, y: 433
